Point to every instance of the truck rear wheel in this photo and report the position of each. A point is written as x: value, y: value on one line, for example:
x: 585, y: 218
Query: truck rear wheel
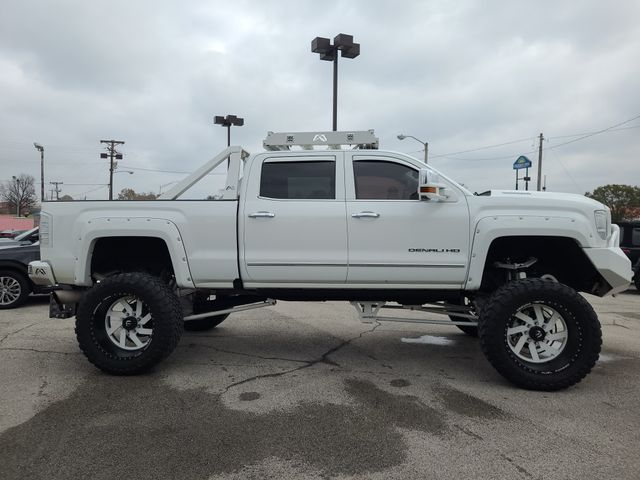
x: 539, y: 334
x: 128, y: 323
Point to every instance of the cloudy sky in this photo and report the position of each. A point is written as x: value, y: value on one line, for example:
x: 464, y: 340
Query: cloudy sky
x: 461, y: 75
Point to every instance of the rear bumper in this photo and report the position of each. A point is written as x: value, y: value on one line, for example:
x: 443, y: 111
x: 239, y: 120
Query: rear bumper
x: 613, y: 265
x: 41, y: 273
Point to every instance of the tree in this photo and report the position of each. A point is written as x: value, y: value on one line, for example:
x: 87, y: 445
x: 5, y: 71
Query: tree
x: 621, y: 199
x: 19, y: 193
x: 130, y: 194
x: 66, y: 198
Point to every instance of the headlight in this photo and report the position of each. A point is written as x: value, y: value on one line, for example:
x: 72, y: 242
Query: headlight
x: 45, y: 230
x: 603, y: 223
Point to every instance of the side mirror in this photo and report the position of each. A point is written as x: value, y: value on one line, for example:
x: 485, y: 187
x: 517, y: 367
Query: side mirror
x: 429, y: 186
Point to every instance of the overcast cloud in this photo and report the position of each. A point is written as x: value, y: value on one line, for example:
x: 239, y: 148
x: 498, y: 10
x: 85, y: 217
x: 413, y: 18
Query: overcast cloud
x: 460, y: 75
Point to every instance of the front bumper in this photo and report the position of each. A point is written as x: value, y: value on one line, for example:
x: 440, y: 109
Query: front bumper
x: 613, y: 265
x: 41, y: 273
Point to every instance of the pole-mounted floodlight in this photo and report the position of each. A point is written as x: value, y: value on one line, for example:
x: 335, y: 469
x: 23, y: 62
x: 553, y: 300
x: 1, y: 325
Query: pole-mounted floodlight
x: 40, y: 148
x: 425, y: 144
x: 228, y: 121
x: 328, y: 52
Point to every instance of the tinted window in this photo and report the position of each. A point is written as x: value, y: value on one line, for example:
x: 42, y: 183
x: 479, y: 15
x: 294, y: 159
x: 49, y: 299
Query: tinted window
x: 306, y: 180
x: 385, y: 181
x: 635, y: 237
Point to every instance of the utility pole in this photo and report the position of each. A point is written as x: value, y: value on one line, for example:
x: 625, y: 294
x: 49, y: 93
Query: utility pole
x: 111, y: 148
x: 56, y: 189
x: 540, y: 163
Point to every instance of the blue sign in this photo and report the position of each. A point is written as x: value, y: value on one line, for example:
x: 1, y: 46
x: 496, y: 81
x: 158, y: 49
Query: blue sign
x: 521, y: 162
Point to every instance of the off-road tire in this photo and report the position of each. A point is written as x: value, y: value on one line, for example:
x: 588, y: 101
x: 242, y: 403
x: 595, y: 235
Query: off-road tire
x: 584, y: 335
x: 204, y: 324
x: 166, y: 318
x: 20, y: 288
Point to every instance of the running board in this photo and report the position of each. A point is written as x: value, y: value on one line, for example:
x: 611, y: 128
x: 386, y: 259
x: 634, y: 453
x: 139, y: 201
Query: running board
x: 269, y: 302
x: 369, y: 313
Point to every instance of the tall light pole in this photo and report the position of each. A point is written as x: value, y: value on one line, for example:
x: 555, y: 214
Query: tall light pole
x: 328, y: 52
x: 40, y: 148
x: 424, y: 144
x: 228, y: 121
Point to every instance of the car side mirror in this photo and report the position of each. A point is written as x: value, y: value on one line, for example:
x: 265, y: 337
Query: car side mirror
x: 429, y: 186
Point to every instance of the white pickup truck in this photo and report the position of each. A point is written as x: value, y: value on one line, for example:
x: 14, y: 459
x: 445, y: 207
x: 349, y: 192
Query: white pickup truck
x: 379, y: 229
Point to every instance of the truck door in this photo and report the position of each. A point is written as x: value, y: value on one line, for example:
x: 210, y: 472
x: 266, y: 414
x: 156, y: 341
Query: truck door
x: 395, y: 238
x: 293, y: 227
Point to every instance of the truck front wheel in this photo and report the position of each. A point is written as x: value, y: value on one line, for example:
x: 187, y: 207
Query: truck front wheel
x: 128, y: 323
x: 539, y: 334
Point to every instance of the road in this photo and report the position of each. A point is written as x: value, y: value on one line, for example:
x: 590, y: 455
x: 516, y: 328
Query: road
x: 307, y: 391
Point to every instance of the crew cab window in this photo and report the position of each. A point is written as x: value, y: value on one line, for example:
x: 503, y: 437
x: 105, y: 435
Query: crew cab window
x: 379, y: 180
x: 298, y: 180
x: 635, y: 237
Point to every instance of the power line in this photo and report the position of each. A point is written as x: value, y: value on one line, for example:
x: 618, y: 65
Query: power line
x: 567, y: 171
x: 153, y: 170
x: 483, y: 148
x: 592, y: 134
x: 487, y: 158
x: 588, y: 133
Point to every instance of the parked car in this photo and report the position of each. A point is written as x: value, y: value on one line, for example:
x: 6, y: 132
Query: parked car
x: 10, y: 233
x: 630, y: 245
x: 15, y: 285
x: 27, y: 237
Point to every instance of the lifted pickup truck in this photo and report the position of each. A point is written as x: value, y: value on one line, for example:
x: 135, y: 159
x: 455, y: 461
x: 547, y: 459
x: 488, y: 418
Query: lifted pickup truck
x: 379, y: 229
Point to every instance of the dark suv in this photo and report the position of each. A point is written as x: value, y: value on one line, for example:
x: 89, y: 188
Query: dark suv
x: 630, y: 244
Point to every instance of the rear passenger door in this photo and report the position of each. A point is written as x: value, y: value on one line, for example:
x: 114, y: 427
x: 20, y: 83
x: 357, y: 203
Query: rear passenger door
x: 293, y: 225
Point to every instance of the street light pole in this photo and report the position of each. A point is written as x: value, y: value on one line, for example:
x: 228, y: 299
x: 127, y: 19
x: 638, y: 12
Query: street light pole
x: 424, y: 144
x: 328, y: 52
x: 228, y: 121
x: 40, y: 148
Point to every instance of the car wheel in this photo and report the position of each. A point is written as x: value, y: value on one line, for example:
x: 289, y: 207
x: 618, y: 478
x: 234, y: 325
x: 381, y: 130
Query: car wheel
x: 14, y: 289
x: 539, y: 334
x: 128, y: 323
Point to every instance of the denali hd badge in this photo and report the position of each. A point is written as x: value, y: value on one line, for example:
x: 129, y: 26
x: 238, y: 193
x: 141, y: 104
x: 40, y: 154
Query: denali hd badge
x: 434, y: 250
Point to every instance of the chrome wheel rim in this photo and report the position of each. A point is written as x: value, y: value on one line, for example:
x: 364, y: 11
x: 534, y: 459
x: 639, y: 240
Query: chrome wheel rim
x: 127, y: 324
x: 537, y: 333
x: 10, y: 290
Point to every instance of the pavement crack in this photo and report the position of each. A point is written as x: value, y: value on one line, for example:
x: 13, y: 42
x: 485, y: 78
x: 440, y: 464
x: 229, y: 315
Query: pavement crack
x: 16, y: 331
x: 17, y: 349
x: 251, y: 355
x: 519, y: 468
x: 324, y: 358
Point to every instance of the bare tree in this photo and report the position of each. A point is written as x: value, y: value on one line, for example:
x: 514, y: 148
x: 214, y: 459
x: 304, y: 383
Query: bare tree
x: 19, y: 193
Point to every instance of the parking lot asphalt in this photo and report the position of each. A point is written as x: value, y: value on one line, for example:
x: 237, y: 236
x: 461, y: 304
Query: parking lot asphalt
x: 307, y: 391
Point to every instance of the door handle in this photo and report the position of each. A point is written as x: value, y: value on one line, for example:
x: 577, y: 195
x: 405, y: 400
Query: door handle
x: 262, y: 214
x: 365, y: 215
